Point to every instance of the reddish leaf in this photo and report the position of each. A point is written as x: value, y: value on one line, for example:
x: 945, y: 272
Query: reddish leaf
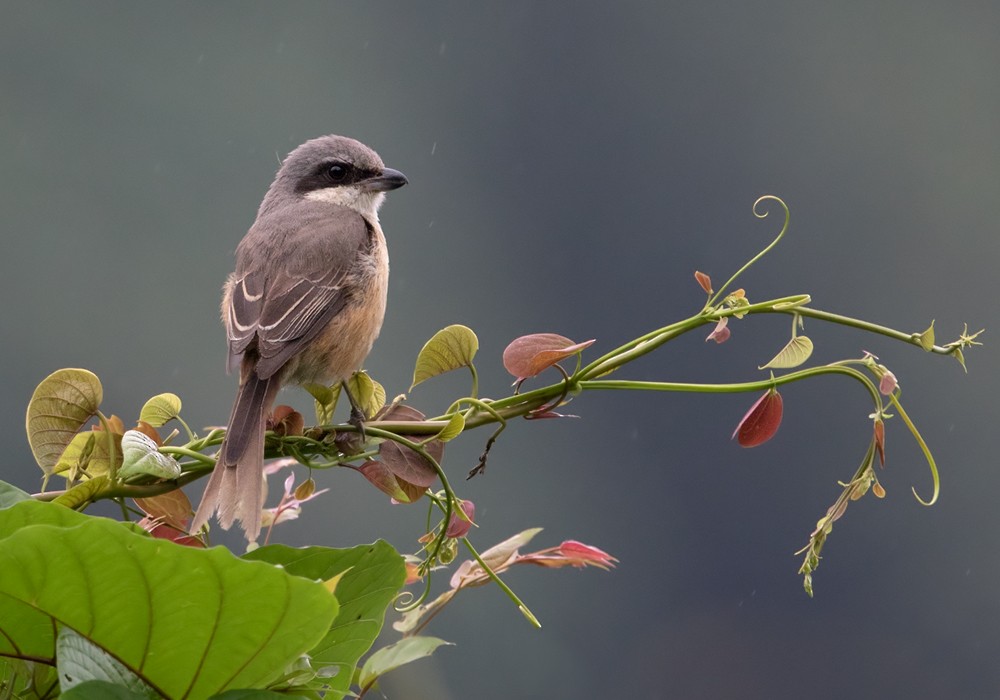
x: 530, y: 354
x: 721, y: 333
x: 880, y: 441
x: 285, y: 420
x: 385, y: 481
x: 704, y: 280
x: 459, y: 526
x: 149, y: 431
x: 761, y: 422
x: 170, y: 508
x: 407, y: 464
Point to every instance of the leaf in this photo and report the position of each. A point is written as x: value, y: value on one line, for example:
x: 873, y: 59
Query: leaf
x: 796, y: 352
x: 371, y: 576
x: 59, y: 407
x: 102, y: 690
x: 406, y: 464
x: 448, y: 349
x: 926, y: 338
x: 10, y: 494
x: 286, y: 421
x: 141, y: 457
x: 79, y: 660
x: 326, y: 401
x: 704, y: 281
x: 395, y: 655
x: 761, y: 422
x: 382, y: 478
x: 456, y: 424
x: 171, y: 508
x: 530, y: 354
x: 84, y: 493
x: 498, y: 554
x: 189, y: 622
x: 88, y: 452
x: 161, y: 409
x: 367, y: 393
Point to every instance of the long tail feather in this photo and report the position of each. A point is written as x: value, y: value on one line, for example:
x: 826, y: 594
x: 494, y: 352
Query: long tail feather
x: 236, y: 488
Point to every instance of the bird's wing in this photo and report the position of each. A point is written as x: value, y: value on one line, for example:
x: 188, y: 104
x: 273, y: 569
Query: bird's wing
x: 282, y: 304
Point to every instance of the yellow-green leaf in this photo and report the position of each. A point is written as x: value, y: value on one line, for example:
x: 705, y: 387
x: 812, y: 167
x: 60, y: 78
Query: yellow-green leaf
x: 161, y: 409
x: 448, y: 349
x: 793, y: 354
x: 84, y: 493
x: 367, y: 393
x: 326, y: 401
x: 60, y: 406
x: 927, y: 338
x: 86, y: 455
x: 456, y: 424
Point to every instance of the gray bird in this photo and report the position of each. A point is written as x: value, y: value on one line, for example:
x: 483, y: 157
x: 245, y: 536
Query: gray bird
x: 304, y: 305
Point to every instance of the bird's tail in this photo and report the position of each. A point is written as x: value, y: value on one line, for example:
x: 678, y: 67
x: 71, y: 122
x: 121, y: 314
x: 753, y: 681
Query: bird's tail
x: 236, y: 488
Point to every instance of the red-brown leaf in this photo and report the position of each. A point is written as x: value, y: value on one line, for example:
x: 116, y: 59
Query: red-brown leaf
x: 704, y: 280
x: 761, y: 422
x: 530, y: 354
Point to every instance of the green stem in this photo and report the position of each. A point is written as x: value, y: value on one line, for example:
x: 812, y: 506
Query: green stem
x: 503, y: 586
x: 760, y: 215
x: 924, y: 448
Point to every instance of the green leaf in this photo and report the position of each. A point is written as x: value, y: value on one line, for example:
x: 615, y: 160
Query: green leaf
x: 448, y: 349
x: 189, y: 622
x: 82, y: 493
x: 79, y: 660
x: 102, y: 690
x: 251, y: 694
x: 926, y: 338
x: 10, y: 494
x: 161, y: 409
x: 141, y: 456
x: 456, y: 424
x: 367, y: 393
x: 796, y: 352
x: 372, y: 576
x: 60, y: 406
x: 87, y: 454
x: 395, y: 655
x: 326, y: 401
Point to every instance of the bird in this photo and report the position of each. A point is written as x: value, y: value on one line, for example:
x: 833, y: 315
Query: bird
x: 303, y: 306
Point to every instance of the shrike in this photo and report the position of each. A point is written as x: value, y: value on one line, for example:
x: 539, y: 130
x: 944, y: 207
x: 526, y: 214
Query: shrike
x: 304, y: 305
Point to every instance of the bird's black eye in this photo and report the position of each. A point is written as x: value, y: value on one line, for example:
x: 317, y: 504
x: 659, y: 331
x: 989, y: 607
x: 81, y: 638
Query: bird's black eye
x: 338, y: 172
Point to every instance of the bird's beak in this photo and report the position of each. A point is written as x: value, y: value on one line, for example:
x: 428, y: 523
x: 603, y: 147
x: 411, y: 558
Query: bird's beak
x: 389, y: 180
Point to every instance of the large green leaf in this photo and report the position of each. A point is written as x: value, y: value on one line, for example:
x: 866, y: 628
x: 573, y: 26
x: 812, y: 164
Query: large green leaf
x: 188, y: 622
x: 60, y: 406
x: 10, y: 494
x: 374, y: 575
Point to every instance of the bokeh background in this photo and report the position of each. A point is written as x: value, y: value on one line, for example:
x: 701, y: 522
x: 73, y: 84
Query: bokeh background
x: 571, y: 165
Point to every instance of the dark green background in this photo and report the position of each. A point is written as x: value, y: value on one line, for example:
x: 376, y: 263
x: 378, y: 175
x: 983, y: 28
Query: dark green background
x: 571, y: 165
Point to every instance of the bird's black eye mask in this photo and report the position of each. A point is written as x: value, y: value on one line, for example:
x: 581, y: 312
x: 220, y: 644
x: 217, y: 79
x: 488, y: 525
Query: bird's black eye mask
x: 333, y: 173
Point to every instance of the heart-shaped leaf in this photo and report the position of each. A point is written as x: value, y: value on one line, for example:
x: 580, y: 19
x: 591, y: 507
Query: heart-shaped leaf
x: 796, y: 352
x: 59, y: 407
x: 530, y: 354
x: 161, y: 409
x: 448, y: 349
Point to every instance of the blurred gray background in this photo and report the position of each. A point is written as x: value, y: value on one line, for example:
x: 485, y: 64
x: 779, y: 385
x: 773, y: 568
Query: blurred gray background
x: 570, y: 167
